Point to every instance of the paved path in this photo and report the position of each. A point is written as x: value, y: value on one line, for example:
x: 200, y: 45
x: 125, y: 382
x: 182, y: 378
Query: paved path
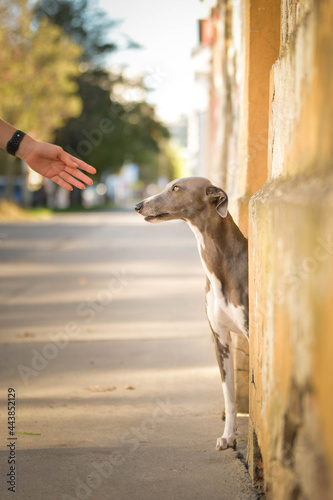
x: 105, y: 341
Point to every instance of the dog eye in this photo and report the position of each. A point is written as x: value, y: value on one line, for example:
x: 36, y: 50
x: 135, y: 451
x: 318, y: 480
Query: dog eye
x: 176, y: 188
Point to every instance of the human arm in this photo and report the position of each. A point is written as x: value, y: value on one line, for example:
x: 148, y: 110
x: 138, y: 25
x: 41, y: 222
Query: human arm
x: 49, y: 160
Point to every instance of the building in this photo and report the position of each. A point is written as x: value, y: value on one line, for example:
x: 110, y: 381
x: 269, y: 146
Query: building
x: 198, y: 130
x: 271, y: 129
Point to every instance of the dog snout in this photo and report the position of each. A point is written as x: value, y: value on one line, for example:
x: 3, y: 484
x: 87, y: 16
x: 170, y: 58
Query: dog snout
x: 139, y: 206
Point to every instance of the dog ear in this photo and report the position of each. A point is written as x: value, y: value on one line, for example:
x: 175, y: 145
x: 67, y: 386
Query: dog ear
x: 220, y: 198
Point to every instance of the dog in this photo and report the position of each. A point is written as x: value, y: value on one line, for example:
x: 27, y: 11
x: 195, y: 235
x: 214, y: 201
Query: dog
x: 223, y: 251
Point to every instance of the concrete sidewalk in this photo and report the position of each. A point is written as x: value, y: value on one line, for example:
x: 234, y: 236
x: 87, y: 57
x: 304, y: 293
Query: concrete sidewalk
x: 105, y: 341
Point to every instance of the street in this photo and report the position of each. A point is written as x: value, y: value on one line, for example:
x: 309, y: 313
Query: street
x: 108, y: 355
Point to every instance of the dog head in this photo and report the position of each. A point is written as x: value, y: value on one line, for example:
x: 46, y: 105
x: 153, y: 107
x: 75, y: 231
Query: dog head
x: 185, y: 199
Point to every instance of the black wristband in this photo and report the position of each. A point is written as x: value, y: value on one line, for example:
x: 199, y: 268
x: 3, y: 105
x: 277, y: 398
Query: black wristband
x: 14, y: 142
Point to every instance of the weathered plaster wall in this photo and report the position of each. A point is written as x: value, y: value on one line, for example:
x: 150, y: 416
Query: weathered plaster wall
x: 227, y: 144
x: 246, y: 44
x: 291, y: 267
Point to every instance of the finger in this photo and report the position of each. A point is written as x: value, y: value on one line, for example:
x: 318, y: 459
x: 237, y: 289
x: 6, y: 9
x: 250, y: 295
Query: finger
x: 67, y: 159
x: 71, y: 161
x: 58, y: 180
x: 84, y: 166
x: 70, y: 179
x: 79, y: 175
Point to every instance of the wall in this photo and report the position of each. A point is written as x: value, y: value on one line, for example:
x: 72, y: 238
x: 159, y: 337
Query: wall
x: 291, y: 267
x: 271, y: 126
x: 227, y: 144
x: 245, y: 45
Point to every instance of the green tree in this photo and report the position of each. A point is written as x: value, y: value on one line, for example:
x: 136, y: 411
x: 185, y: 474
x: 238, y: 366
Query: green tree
x: 39, y: 66
x: 134, y: 133
x: 85, y: 23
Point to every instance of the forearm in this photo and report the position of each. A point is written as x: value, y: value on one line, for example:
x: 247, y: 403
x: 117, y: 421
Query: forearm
x: 7, y: 131
x: 49, y: 160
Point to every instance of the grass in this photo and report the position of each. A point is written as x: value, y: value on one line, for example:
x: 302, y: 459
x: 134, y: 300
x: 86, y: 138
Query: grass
x: 79, y: 208
x: 9, y: 211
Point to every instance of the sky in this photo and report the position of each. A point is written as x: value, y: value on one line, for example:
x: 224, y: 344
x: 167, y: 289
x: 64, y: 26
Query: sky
x: 168, y: 31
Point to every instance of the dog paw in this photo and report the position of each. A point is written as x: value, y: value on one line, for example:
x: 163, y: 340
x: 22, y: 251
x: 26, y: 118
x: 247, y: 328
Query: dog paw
x: 223, y: 443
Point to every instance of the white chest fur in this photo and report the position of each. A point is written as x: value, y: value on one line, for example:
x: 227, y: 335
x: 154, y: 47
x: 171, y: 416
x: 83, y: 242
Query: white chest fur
x: 221, y: 313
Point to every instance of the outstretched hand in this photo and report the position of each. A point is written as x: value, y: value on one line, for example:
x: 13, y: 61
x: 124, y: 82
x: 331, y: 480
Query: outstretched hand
x: 53, y: 162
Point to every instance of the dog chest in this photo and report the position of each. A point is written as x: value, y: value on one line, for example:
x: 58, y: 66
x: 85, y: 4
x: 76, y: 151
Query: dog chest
x: 221, y: 313
x: 220, y: 310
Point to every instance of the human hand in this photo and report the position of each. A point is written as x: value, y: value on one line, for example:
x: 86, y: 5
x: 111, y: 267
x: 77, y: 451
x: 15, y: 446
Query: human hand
x: 53, y: 162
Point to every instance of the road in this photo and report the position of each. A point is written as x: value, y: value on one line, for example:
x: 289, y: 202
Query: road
x: 105, y: 342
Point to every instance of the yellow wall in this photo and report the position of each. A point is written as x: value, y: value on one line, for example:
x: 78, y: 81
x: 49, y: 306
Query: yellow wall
x: 228, y: 139
x: 272, y: 145
x: 291, y: 266
x: 247, y: 42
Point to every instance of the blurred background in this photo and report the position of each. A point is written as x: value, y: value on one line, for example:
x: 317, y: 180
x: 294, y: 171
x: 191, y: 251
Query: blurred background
x: 237, y: 90
x: 121, y: 85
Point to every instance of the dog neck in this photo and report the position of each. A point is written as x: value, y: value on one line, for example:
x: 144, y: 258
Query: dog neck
x: 224, y: 253
x: 219, y: 234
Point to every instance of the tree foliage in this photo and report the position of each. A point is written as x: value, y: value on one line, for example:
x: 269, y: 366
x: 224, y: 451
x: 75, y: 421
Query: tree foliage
x: 134, y: 133
x: 55, y: 85
x: 39, y: 67
x: 85, y: 23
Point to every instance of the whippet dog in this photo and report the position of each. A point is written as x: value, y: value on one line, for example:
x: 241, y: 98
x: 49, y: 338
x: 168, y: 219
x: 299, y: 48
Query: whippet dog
x: 224, y: 255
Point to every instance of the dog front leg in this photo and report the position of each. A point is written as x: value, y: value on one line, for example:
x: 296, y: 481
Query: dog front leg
x: 222, y: 341
x: 224, y: 358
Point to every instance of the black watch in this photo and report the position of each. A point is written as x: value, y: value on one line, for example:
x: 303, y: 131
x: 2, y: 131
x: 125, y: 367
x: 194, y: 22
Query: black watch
x: 14, y: 142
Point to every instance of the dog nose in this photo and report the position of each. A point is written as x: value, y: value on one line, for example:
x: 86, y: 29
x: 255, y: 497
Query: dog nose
x: 139, y: 206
